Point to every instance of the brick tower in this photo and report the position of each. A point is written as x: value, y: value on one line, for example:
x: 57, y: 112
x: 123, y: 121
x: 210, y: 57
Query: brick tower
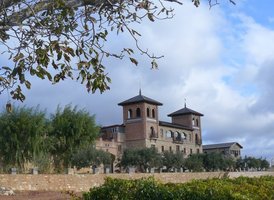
x: 140, y: 118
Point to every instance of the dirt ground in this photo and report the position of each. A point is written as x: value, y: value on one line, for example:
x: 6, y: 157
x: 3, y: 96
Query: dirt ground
x: 38, y: 195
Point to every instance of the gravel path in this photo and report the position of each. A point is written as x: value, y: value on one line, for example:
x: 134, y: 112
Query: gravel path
x: 38, y: 195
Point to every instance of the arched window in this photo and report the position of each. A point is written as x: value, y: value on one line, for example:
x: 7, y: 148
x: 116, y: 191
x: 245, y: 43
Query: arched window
x: 183, y: 136
x: 193, y: 121
x: 129, y: 114
x: 153, y: 134
x: 151, y: 130
x: 175, y: 134
x: 168, y: 134
x: 148, y: 112
x: 179, y: 136
x: 138, y: 112
x: 162, y: 132
x: 153, y: 113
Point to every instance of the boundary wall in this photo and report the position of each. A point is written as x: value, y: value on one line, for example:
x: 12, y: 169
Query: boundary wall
x: 83, y: 182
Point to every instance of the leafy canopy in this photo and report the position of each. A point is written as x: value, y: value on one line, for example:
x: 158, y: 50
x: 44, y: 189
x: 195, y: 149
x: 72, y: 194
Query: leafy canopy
x: 90, y: 156
x: 60, y: 39
x: 22, y: 136
x: 72, y: 130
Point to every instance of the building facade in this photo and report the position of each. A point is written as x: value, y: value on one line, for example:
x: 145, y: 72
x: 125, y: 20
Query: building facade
x: 142, y: 128
x: 232, y: 149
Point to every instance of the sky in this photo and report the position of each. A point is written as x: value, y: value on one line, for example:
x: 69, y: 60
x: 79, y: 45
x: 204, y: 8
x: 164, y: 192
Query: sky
x: 221, y: 60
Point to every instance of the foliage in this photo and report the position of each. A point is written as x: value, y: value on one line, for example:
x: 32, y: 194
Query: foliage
x: 143, y: 158
x: 27, y: 136
x: 216, y: 161
x: 61, y: 39
x: 72, y: 130
x: 251, y: 162
x: 173, y: 160
x: 241, y: 188
x: 23, y: 136
x: 129, y: 158
x: 90, y: 156
x: 194, y: 162
x: 210, y: 162
x: 43, y: 162
x: 148, y: 158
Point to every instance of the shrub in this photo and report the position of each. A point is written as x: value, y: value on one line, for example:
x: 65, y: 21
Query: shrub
x: 241, y: 188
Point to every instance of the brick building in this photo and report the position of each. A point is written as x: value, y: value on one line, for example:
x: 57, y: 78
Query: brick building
x: 142, y: 128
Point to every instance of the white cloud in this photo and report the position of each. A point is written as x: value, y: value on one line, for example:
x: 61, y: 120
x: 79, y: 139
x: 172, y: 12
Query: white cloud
x: 209, y: 60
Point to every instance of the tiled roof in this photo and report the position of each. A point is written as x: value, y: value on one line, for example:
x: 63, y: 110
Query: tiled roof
x: 168, y: 124
x: 184, y: 111
x: 220, y: 145
x: 112, y: 126
x: 138, y: 99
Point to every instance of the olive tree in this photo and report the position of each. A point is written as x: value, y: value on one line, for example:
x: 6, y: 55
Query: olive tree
x: 90, y: 156
x: 143, y: 158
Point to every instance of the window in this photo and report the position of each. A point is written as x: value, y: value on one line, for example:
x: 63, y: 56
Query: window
x: 114, y: 130
x: 170, y: 149
x: 129, y: 114
x: 198, y: 151
x: 162, y: 132
x: 148, y: 112
x: 152, y: 132
x: 193, y: 121
x: 168, y: 134
x: 190, y: 137
x: 138, y: 112
x: 177, y: 148
x: 119, y: 148
x: 153, y: 113
x: 178, y: 136
x: 153, y: 146
x: 183, y: 136
x: 184, y: 150
x: 197, y: 140
x: 163, y: 148
x: 197, y: 122
x: 175, y: 134
x: 191, y: 151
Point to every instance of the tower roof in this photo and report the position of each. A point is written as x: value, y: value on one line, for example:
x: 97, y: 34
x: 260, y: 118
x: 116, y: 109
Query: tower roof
x: 139, y: 99
x: 184, y: 111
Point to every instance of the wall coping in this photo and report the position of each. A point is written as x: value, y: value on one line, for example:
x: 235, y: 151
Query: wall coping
x: 83, y: 182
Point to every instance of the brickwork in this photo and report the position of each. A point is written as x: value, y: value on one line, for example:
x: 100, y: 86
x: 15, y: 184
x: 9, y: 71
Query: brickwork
x: 84, y: 182
x: 185, y: 120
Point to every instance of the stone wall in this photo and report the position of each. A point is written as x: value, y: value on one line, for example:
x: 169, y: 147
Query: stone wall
x: 82, y: 182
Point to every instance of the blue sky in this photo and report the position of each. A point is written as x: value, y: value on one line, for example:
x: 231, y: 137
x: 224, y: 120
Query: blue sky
x: 220, y: 59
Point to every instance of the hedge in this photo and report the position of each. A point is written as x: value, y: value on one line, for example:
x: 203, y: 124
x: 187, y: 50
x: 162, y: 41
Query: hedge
x: 242, y: 188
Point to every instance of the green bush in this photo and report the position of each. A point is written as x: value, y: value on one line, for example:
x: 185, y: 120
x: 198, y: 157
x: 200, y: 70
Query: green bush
x: 241, y: 188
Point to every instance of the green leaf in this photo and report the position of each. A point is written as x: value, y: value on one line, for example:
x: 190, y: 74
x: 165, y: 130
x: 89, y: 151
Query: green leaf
x: 154, y: 64
x: 18, y: 57
x: 67, y: 58
x: 134, y: 61
x: 150, y: 17
x: 6, y: 68
x: 59, y: 55
x: 28, y: 84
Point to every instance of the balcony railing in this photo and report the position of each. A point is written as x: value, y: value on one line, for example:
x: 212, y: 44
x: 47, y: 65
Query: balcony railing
x: 178, y: 140
x: 153, y: 136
